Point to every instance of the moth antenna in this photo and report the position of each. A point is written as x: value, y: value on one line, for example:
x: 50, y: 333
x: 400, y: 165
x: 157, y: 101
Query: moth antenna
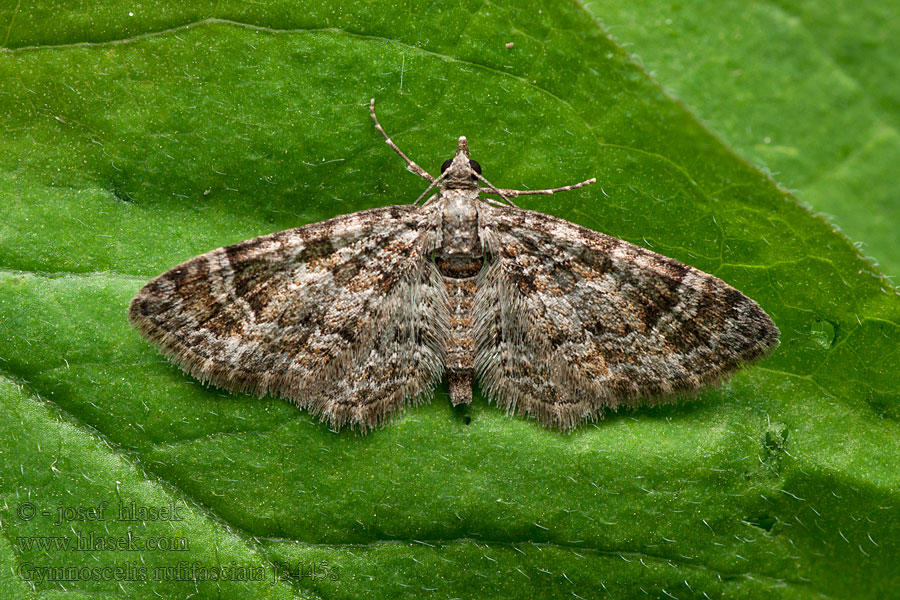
x: 410, y: 164
x: 566, y: 188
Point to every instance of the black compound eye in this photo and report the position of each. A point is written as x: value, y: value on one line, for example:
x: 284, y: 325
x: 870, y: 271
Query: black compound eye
x: 475, y: 166
x: 446, y: 165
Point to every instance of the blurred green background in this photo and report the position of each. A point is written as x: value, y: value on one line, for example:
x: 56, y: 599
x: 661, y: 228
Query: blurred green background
x: 135, y: 137
x: 806, y: 91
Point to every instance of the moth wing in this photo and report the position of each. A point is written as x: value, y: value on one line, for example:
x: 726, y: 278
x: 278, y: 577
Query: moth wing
x: 345, y: 317
x: 571, y: 321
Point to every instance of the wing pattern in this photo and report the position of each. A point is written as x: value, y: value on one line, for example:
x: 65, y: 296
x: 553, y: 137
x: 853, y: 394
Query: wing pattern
x: 346, y: 317
x: 571, y: 321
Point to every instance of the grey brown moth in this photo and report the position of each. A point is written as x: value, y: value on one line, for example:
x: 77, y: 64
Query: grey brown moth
x: 353, y: 317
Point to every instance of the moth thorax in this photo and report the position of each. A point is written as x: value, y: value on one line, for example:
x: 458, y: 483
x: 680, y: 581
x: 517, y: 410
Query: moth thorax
x: 460, y: 254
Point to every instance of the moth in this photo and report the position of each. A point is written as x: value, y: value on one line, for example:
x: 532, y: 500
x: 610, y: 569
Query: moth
x: 355, y: 317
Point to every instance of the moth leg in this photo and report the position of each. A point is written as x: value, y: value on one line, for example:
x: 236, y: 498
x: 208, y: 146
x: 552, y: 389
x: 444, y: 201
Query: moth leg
x: 433, y: 183
x: 493, y: 202
x: 515, y: 193
x: 430, y: 200
x: 494, y: 190
x: 411, y: 165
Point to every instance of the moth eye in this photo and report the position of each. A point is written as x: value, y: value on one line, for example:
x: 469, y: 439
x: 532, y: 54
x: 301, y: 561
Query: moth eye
x: 475, y: 166
x: 446, y: 165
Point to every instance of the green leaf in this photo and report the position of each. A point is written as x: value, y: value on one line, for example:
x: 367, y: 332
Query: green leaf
x: 135, y: 141
x: 809, y: 90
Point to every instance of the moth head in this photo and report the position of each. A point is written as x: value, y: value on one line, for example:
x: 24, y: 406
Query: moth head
x: 460, y: 171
